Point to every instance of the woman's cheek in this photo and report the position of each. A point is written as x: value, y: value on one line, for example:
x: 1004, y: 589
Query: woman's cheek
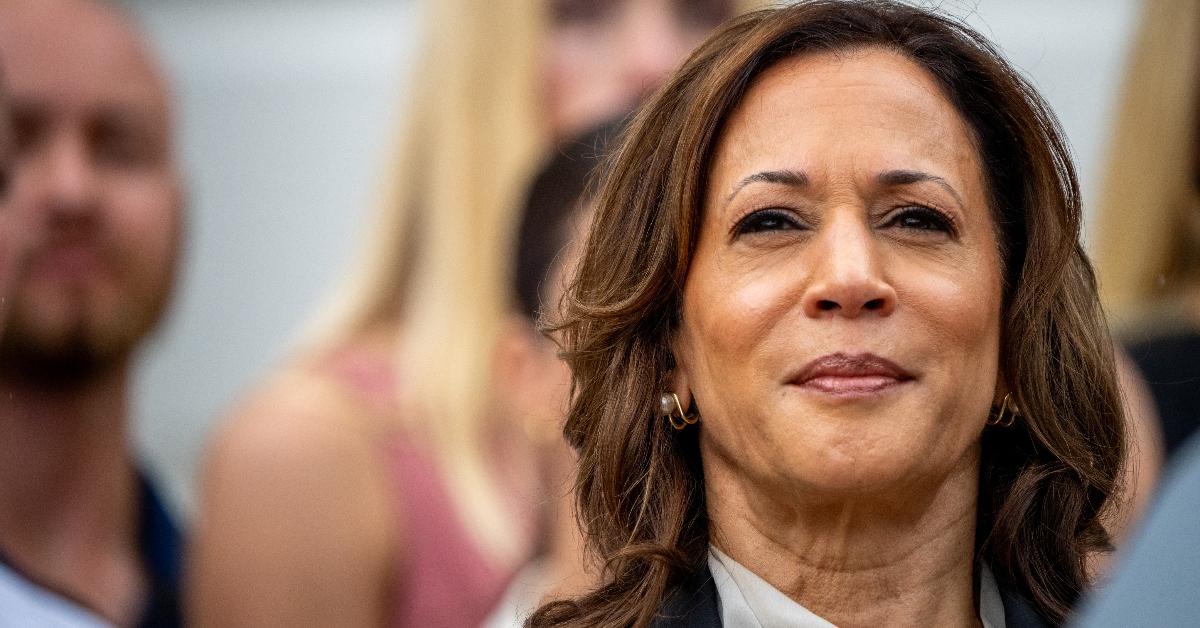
x: 737, y: 310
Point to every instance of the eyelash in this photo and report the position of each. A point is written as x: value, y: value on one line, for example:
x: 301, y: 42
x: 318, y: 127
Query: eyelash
x: 766, y: 220
x: 756, y: 222
x: 939, y: 220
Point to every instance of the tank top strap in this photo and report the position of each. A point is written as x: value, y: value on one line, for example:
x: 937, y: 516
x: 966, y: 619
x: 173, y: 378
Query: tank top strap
x: 443, y: 579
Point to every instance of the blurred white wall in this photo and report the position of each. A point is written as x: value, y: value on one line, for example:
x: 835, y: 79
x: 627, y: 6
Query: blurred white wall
x: 287, y: 113
x: 1074, y: 51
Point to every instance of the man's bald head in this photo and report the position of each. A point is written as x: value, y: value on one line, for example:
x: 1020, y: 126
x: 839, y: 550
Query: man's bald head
x: 89, y: 39
x: 94, y: 183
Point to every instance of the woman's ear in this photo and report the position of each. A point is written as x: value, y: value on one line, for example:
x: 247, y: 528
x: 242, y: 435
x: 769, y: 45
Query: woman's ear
x: 1002, y: 389
x: 679, y: 384
x: 679, y: 380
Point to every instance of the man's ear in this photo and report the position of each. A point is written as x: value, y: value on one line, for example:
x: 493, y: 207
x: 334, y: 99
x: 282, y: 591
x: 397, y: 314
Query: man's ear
x: 532, y: 382
x: 515, y: 364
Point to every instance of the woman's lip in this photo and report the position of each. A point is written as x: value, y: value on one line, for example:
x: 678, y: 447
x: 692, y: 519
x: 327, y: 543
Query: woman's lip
x: 842, y: 373
x: 851, y: 386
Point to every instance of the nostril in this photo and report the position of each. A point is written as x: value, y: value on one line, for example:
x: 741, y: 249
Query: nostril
x: 826, y: 305
x: 873, y: 304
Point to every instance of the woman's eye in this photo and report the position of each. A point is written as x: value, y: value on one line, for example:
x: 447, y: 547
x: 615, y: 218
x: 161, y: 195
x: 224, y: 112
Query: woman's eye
x: 922, y: 219
x: 766, y: 220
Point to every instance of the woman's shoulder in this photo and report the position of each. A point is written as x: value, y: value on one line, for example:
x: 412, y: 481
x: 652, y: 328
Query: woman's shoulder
x: 307, y: 427
x: 300, y: 442
x: 295, y: 418
x: 295, y: 497
x: 342, y: 392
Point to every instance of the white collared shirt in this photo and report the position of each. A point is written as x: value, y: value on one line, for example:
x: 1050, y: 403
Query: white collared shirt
x: 23, y: 604
x: 747, y: 600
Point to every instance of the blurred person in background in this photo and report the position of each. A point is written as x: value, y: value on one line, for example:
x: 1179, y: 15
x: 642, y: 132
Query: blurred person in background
x: 6, y: 159
x: 557, y: 208
x: 84, y: 538
x: 6, y: 143
x: 1148, y: 249
x: 1156, y: 580
x: 1149, y: 267
x: 386, y: 475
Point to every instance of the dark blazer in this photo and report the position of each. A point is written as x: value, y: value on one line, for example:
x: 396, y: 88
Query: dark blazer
x: 694, y: 605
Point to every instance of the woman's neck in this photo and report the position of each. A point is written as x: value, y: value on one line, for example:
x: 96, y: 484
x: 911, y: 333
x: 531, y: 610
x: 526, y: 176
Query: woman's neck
x: 905, y: 559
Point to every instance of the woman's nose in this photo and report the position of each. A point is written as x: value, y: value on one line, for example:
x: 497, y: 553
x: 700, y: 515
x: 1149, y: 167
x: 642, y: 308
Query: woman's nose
x: 847, y: 277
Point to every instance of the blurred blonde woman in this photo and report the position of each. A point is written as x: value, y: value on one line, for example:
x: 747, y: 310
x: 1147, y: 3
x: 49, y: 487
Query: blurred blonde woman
x: 386, y: 475
x: 1148, y: 247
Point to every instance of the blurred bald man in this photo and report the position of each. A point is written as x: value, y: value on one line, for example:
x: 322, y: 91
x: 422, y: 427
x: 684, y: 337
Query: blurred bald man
x: 6, y: 159
x: 84, y: 539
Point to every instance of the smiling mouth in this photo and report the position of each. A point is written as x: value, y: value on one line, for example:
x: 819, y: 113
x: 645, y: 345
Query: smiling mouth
x: 857, y: 375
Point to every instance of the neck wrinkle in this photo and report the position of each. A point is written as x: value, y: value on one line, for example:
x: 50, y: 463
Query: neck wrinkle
x: 858, y: 562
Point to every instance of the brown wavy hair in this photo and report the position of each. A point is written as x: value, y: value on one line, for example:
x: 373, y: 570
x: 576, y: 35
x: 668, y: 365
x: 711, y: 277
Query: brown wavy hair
x: 640, y: 491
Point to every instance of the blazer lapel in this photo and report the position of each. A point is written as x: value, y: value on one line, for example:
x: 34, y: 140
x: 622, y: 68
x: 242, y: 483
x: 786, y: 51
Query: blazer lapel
x: 693, y: 604
x: 1019, y: 613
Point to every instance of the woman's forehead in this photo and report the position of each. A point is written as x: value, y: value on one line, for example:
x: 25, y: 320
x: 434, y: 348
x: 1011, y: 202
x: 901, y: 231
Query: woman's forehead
x: 873, y: 108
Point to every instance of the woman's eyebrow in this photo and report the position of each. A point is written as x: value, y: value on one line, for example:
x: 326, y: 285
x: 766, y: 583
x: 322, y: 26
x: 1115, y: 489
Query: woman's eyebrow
x: 892, y: 178
x: 790, y: 178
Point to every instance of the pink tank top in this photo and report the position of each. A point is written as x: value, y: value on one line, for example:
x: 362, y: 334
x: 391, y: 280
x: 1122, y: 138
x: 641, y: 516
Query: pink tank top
x: 441, y: 577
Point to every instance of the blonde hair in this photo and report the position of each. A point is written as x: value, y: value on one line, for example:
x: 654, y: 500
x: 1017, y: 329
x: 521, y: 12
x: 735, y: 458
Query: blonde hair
x: 440, y: 254
x: 438, y: 245
x: 1149, y: 189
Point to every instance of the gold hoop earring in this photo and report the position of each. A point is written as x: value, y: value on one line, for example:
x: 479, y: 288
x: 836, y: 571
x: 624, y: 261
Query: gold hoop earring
x: 670, y: 407
x: 1007, y: 413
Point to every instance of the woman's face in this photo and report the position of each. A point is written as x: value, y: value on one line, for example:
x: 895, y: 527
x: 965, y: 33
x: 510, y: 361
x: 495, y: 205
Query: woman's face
x: 841, y: 315
x: 604, y: 56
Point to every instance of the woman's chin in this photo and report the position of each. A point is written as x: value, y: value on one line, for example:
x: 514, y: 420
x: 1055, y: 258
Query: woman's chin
x: 861, y: 467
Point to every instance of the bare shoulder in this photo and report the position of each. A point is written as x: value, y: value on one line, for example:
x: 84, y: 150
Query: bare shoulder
x: 296, y: 516
x: 301, y: 426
